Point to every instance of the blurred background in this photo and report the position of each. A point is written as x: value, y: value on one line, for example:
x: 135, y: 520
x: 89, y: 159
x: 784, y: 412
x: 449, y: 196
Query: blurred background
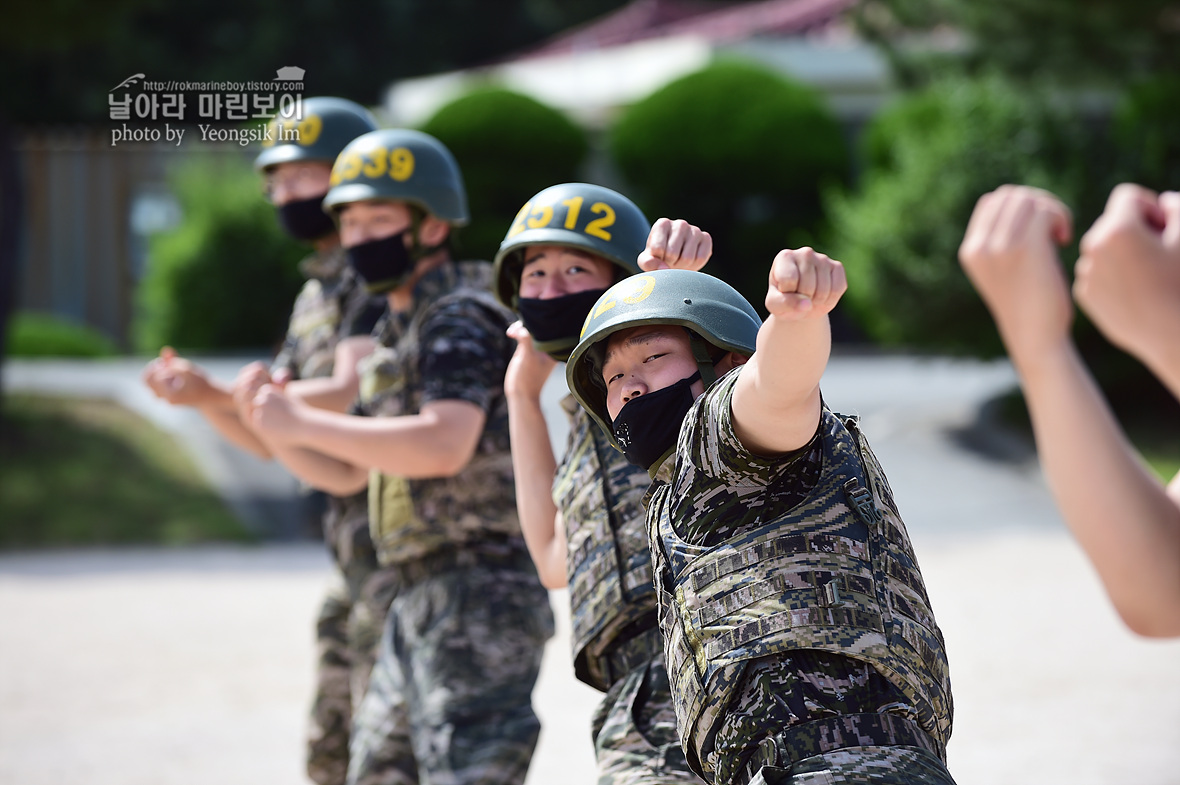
x: 866, y: 128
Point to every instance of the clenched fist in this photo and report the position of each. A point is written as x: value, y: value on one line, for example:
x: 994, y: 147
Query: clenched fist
x: 1010, y: 255
x: 1128, y: 278
x: 804, y: 283
x: 676, y: 244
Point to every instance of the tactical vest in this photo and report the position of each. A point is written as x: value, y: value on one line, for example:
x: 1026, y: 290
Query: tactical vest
x: 412, y: 518
x: 612, y: 598
x: 836, y: 573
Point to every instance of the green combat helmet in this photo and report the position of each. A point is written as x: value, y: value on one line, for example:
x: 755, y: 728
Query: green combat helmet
x: 712, y: 310
x: 325, y: 127
x: 577, y: 215
x: 403, y: 165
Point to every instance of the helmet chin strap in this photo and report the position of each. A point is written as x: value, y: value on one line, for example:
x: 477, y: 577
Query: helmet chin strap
x: 700, y: 353
x: 417, y: 249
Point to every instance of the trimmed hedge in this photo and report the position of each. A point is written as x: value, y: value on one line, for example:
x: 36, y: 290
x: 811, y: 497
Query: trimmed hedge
x: 225, y: 278
x: 741, y: 151
x: 42, y: 335
x: 933, y: 155
x: 508, y: 147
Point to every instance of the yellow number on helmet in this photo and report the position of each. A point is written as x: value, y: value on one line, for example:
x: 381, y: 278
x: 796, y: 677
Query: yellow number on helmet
x: 375, y: 167
x: 597, y: 227
x: 401, y: 164
x: 309, y: 129
x: 347, y: 168
x: 644, y: 284
x: 540, y: 217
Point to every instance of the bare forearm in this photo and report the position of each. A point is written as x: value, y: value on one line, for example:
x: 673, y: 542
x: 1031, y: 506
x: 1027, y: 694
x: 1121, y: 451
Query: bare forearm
x: 434, y: 443
x: 227, y: 423
x: 776, y: 402
x: 1118, y: 511
x: 329, y: 393
x: 534, y: 467
x: 324, y: 472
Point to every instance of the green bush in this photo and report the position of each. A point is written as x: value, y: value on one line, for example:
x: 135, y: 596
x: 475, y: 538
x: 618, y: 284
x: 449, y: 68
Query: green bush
x: 739, y: 150
x: 42, y: 335
x: 226, y: 277
x: 508, y: 146
x: 936, y: 153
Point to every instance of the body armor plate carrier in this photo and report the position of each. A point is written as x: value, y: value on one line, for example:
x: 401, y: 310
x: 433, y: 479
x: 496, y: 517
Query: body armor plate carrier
x: 612, y: 599
x: 836, y: 573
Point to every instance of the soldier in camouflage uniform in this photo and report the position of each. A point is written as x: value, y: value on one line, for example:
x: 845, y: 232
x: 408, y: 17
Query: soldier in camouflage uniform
x: 328, y: 332
x: 797, y: 632
x: 553, y: 264
x: 450, y: 696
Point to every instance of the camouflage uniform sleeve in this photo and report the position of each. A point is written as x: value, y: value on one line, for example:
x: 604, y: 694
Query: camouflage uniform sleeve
x: 716, y: 449
x: 287, y: 357
x: 464, y: 353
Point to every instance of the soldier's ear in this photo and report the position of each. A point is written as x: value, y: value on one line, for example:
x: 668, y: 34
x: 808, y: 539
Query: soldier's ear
x: 729, y: 361
x: 433, y: 232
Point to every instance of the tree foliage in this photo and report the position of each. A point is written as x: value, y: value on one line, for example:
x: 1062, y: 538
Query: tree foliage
x: 742, y: 152
x: 1089, y: 42
x: 225, y: 278
x: 508, y: 146
x: 61, y: 57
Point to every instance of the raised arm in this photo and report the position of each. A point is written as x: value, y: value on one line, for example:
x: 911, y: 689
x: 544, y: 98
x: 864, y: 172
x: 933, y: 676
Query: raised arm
x: 776, y: 401
x: 533, y: 462
x: 1119, y: 512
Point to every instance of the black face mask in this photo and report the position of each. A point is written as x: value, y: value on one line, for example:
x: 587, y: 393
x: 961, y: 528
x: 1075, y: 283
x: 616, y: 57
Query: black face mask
x: 555, y: 323
x: 383, y: 264
x: 305, y: 219
x: 647, y: 426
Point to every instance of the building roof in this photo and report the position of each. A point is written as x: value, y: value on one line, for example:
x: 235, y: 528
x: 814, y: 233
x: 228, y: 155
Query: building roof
x: 648, y: 19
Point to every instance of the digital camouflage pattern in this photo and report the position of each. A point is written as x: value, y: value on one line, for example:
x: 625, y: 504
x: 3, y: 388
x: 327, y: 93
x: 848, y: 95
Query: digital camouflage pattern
x: 634, y: 728
x: 616, y: 644
x: 600, y: 496
x: 333, y: 306
x: 770, y: 614
x: 450, y: 699
x: 451, y: 346
x: 867, y: 765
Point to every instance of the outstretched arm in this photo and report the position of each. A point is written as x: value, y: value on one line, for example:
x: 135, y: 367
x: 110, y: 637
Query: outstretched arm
x: 1119, y: 512
x: 776, y: 400
x: 182, y: 383
x: 437, y: 442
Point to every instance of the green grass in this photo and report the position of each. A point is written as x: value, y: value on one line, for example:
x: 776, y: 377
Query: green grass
x: 43, y: 335
x: 88, y: 472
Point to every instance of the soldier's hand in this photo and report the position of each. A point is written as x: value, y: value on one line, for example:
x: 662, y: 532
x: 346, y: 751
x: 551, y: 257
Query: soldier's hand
x: 176, y: 380
x: 804, y: 283
x: 676, y: 244
x: 1128, y: 276
x: 529, y: 368
x: 274, y: 413
x: 246, y: 386
x: 1010, y: 254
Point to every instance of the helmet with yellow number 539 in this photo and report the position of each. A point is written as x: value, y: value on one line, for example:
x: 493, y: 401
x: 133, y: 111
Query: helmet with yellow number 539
x: 399, y: 164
